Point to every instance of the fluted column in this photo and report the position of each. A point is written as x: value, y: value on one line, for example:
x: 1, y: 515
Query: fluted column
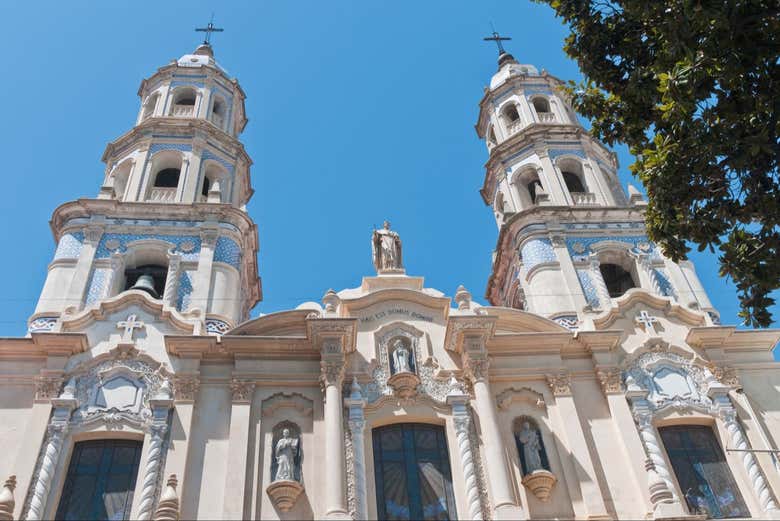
x: 357, y: 424
x: 161, y: 405
x: 332, y: 376
x: 476, y: 365
x: 458, y: 400
x: 58, y: 427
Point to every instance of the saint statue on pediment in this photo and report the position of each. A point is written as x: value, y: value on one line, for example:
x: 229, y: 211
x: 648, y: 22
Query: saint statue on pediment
x: 386, y: 249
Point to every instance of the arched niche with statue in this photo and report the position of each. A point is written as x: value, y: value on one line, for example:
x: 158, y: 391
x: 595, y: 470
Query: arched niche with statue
x: 286, y: 464
x: 534, y: 462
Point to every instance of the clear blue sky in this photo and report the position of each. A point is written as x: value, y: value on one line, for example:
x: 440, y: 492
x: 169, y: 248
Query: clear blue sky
x: 359, y: 111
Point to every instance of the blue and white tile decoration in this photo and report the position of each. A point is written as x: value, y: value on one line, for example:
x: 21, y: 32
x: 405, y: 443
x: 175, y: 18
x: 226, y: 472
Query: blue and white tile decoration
x: 564, y: 152
x: 124, y: 238
x: 664, y: 283
x: 227, y: 251
x: 588, y: 287
x: 185, y: 289
x: 157, y: 147
x: 98, y: 285
x: 218, y: 327
x: 42, y: 324
x: 580, y: 247
x: 207, y: 154
x: 570, y: 322
x: 537, y: 251
x: 69, y: 246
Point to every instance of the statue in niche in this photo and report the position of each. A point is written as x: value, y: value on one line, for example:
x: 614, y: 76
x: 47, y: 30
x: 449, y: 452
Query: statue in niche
x: 529, y: 445
x: 401, y: 357
x: 286, y: 454
x: 386, y: 249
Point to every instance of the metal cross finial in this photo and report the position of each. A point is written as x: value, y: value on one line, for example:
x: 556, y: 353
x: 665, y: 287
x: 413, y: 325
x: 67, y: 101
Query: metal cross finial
x: 208, y: 30
x: 498, y: 39
x: 647, y: 321
x: 129, y: 326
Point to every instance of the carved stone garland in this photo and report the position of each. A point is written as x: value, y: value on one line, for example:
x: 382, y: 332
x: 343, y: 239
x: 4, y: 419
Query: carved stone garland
x: 116, y: 393
x: 659, y: 380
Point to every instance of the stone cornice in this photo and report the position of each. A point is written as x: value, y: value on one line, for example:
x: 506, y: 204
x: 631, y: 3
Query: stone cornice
x: 459, y: 327
x: 42, y: 345
x: 729, y: 338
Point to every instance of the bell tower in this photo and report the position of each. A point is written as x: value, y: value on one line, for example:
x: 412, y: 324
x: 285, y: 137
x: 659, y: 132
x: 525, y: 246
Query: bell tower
x: 169, y: 222
x: 570, y: 241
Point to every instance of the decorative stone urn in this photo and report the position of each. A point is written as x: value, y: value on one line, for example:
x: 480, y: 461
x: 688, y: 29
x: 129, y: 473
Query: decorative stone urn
x: 284, y: 493
x: 540, y: 483
x: 404, y: 384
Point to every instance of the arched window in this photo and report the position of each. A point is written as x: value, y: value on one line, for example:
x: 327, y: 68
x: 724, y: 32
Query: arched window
x: 510, y: 113
x: 204, y: 191
x: 184, y: 99
x: 120, y: 175
x: 533, y: 186
x: 541, y: 105
x: 150, y: 105
x: 618, y: 279
x: 149, y: 278
x: 573, y: 182
x: 218, y: 112
x: 101, y: 480
x: 528, y: 186
x: 530, y: 447
x: 167, y: 178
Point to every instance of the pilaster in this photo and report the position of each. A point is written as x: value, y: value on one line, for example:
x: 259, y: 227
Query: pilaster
x: 241, y: 391
x: 592, y: 495
x: 83, y: 271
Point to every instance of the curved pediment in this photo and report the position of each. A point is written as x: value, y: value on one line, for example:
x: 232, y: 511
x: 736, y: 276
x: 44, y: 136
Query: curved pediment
x: 422, y: 298
x: 105, y: 308
x: 668, y: 307
x: 283, y: 323
x: 516, y: 321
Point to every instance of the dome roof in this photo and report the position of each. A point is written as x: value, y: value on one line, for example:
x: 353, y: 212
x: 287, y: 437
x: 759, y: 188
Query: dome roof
x: 507, y: 67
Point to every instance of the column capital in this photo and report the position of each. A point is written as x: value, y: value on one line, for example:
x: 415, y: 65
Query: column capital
x: 331, y: 373
x: 208, y: 237
x: 241, y: 390
x: 92, y: 234
x: 560, y: 384
x: 47, y: 387
x: 476, y: 367
x: 611, y: 380
x: 185, y: 387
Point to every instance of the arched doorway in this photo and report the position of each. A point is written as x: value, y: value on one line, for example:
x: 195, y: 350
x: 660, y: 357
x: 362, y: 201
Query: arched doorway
x: 412, y: 472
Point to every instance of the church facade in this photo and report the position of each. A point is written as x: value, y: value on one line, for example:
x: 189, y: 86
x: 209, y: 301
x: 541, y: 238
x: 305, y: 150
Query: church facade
x: 597, y: 384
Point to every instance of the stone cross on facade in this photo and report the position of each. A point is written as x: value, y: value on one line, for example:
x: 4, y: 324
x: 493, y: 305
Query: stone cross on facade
x: 129, y: 326
x: 647, y: 321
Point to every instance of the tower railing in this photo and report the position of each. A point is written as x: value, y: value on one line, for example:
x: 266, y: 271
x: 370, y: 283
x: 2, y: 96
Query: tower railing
x: 183, y: 111
x: 515, y: 126
x: 162, y: 195
x: 217, y: 120
x: 546, y: 117
x: 584, y: 198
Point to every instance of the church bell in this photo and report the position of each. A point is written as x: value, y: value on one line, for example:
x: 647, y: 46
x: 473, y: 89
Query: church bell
x: 145, y: 283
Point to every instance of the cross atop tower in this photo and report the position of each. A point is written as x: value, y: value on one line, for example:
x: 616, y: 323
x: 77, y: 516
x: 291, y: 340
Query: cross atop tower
x: 208, y: 30
x: 498, y: 39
